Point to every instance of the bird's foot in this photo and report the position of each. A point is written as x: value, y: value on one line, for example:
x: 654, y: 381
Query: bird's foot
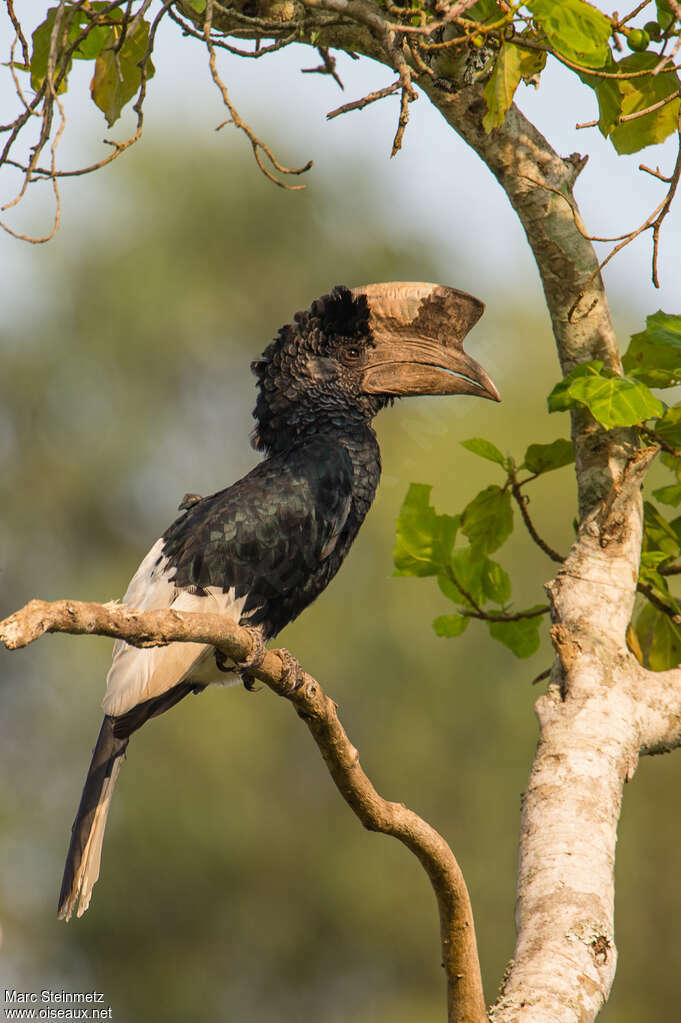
x: 223, y: 662
x: 291, y: 671
x: 257, y: 655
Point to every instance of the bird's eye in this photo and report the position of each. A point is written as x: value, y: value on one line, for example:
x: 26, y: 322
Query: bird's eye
x: 351, y: 356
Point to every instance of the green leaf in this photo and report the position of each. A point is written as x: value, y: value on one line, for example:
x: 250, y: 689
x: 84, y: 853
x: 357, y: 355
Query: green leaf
x: 669, y: 429
x: 546, y: 457
x: 651, y: 561
x: 485, y: 449
x: 424, y: 538
x: 560, y: 399
x: 484, y: 10
x: 611, y: 399
x: 654, y: 355
x: 574, y: 29
x: 669, y: 495
x: 42, y: 40
x: 450, y: 625
x: 639, y: 94
x: 478, y: 575
x: 659, y: 639
x: 512, y: 64
x: 116, y: 81
x: 658, y: 534
x: 488, y: 520
x: 616, y: 401
x: 664, y: 13
x: 619, y: 97
x: 521, y: 636
x: 496, y: 582
x: 77, y: 20
x: 93, y: 44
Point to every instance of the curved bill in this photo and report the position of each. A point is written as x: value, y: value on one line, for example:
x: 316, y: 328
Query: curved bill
x: 418, y: 331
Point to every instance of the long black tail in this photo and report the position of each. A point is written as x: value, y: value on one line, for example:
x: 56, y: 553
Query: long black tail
x: 85, y: 849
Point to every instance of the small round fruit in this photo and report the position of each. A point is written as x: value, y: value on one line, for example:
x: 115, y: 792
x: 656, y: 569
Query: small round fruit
x: 653, y: 30
x: 478, y: 42
x: 638, y: 39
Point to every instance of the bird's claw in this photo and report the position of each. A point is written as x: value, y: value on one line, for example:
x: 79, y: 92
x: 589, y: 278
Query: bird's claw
x: 251, y: 663
x: 223, y: 663
x: 291, y: 671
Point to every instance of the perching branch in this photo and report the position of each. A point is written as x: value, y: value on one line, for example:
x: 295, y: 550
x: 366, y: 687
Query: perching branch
x: 465, y: 1000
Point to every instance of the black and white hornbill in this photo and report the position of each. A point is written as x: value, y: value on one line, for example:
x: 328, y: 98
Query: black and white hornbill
x: 264, y: 548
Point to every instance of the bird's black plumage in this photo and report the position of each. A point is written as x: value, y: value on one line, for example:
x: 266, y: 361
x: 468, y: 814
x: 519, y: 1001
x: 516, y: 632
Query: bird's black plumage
x: 264, y: 548
x: 279, y: 535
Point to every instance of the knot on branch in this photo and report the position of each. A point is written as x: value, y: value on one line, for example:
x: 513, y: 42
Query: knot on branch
x: 566, y: 646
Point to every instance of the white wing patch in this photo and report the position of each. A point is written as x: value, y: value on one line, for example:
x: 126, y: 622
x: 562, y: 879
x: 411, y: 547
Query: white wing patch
x: 138, y: 674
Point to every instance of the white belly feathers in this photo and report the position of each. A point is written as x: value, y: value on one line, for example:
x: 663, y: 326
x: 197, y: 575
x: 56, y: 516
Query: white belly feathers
x: 137, y: 674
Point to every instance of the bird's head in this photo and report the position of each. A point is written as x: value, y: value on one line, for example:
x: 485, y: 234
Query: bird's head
x: 355, y: 350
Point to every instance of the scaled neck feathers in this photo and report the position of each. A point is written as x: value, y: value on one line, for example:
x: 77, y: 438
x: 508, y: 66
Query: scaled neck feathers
x: 297, y: 397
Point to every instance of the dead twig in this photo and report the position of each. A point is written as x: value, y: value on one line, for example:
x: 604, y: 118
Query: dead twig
x: 359, y: 104
x: 327, y: 67
x: 238, y: 122
x: 153, y: 628
x: 17, y: 28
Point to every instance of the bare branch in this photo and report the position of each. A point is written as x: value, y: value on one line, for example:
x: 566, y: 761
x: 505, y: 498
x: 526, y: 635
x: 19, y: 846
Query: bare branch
x: 18, y: 30
x: 327, y: 67
x: 238, y: 122
x: 153, y: 628
x: 359, y: 104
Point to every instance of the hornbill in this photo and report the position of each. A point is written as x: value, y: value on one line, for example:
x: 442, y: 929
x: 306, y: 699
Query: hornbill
x: 264, y: 548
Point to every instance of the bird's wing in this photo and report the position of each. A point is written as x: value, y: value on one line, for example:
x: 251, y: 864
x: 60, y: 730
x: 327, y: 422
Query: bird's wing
x: 274, y: 537
x: 257, y: 551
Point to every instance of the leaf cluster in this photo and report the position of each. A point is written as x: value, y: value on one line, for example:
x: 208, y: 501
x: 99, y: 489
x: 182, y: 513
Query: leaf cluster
x: 638, y: 99
x: 478, y: 585
x: 653, y: 359
x: 467, y: 576
x: 112, y: 38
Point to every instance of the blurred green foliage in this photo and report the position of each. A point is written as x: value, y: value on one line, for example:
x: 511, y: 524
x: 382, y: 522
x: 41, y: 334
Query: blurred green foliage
x: 236, y: 886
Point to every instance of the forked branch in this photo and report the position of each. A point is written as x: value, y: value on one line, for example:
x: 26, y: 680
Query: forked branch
x: 465, y: 1001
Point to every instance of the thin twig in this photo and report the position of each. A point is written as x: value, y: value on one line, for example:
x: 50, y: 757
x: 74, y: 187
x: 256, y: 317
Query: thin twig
x: 655, y: 173
x: 649, y: 110
x: 650, y: 594
x: 239, y: 123
x: 522, y: 501
x: 660, y: 441
x: 327, y: 67
x: 491, y: 616
x: 359, y: 104
x: 153, y: 628
x: 17, y: 28
x: 666, y: 206
x: 623, y: 76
